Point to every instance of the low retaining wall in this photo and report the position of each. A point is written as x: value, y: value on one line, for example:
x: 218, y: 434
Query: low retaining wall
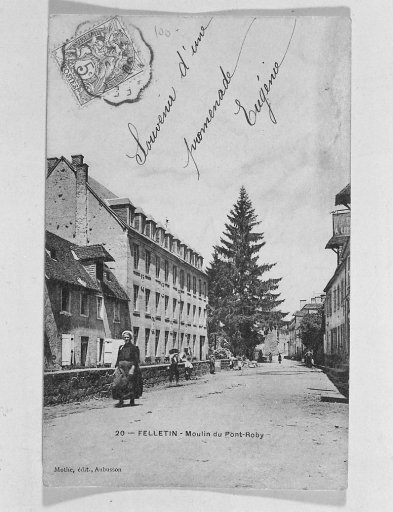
x: 75, y: 385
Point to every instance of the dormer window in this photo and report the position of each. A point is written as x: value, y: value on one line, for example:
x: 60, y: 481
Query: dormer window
x: 100, y: 270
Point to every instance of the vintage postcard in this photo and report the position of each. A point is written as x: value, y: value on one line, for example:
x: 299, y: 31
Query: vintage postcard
x: 197, y: 252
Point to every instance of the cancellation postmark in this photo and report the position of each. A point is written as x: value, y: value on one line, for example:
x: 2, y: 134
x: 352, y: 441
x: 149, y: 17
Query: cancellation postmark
x: 106, y: 61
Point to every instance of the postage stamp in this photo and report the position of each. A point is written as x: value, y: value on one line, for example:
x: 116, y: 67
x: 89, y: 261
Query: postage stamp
x: 100, y: 60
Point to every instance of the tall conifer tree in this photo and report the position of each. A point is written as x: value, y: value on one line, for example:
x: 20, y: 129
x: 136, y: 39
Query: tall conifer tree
x: 242, y: 304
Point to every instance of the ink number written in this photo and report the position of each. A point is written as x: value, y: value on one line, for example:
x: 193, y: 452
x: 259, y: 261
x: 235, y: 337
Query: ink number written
x: 161, y: 32
x: 119, y: 432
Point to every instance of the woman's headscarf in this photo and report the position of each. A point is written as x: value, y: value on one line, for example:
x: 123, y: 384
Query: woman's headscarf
x: 127, y: 332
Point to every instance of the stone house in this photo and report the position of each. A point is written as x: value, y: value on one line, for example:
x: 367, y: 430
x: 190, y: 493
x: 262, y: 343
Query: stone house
x: 162, y: 275
x: 84, y: 304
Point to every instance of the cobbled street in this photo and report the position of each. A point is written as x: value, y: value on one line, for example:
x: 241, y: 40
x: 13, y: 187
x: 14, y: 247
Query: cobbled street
x: 275, y: 426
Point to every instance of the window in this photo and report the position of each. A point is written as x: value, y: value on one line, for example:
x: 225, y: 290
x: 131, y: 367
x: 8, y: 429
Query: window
x: 166, y: 340
x: 193, y: 313
x: 148, y: 229
x: 136, y: 293
x: 200, y: 286
x: 174, y: 338
x: 166, y: 304
x: 136, y: 257
x: 158, y: 295
x: 147, y: 261
x: 135, y: 330
x: 100, y: 303
x: 174, y: 307
x: 157, y: 342
x: 166, y: 242
x: 65, y: 299
x: 204, y: 288
x: 166, y: 270
x: 342, y: 292
x: 182, y: 279
x: 194, y: 285
x: 334, y: 299
x: 158, y: 268
x: 84, y: 310
x: 199, y: 314
x: 174, y: 275
x: 158, y: 236
x: 193, y: 343
x: 181, y: 341
x: 147, y: 299
x: 188, y: 282
x: 181, y: 309
x: 338, y: 296
x: 188, y: 311
x: 116, y: 312
x: 147, y: 336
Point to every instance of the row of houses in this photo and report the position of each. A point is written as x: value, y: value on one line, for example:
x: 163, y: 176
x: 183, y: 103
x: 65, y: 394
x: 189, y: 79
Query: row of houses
x: 111, y: 267
x: 334, y: 303
x: 337, y: 304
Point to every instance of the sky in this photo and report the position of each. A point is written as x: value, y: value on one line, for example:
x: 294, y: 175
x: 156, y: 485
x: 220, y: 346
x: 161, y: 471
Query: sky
x: 292, y: 161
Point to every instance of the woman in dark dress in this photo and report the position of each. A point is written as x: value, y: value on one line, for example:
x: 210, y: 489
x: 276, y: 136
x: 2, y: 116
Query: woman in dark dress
x: 127, y: 379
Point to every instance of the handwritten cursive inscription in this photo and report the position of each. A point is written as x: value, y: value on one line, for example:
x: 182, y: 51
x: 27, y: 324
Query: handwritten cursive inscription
x: 251, y: 114
x: 227, y: 76
x: 141, y: 152
x: 183, y: 67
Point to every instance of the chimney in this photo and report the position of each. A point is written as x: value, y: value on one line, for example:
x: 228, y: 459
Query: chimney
x: 302, y: 303
x: 77, y: 160
x: 81, y: 200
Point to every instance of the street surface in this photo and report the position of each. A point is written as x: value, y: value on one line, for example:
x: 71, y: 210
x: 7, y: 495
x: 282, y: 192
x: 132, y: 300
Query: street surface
x: 277, y: 432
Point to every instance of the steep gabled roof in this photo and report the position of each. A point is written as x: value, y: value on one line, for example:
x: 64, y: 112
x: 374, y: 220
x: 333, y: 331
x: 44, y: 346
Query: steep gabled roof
x: 93, y: 252
x: 313, y: 305
x: 100, y: 190
x: 61, y: 266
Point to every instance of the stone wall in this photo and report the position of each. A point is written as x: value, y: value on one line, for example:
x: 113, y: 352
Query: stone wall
x: 75, y: 385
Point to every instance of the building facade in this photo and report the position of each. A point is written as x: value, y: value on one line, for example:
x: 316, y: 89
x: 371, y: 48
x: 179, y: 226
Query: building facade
x: 337, y: 304
x: 162, y: 275
x: 296, y: 348
x: 84, y: 304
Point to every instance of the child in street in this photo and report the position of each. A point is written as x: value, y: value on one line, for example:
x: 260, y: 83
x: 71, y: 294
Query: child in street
x: 188, y: 368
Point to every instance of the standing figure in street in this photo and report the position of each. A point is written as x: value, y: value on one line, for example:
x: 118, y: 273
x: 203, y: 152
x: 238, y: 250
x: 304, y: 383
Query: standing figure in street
x: 127, y: 378
x: 174, y: 368
x: 239, y: 363
x: 212, y: 363
x: 270, y: 357
x: 279, y: 358
x: 231, y: 362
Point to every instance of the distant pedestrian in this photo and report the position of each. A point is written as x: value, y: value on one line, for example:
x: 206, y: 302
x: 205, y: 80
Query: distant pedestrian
x: 239, y: 363
x: 279, y: 358
x: 174, y: 368
x: 231, y: 362
x: 212, y: 363
x: 270, y: 357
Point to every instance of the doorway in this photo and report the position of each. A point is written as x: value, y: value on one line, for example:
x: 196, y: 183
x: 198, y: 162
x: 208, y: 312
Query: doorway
x: 84, y: 345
